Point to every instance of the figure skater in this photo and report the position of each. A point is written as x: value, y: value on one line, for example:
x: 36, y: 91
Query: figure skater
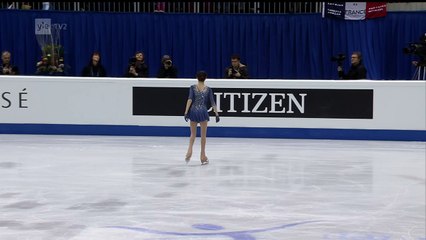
x: 199, y: 101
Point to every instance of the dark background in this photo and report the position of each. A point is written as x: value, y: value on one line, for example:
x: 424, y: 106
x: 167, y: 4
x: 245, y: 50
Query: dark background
x: 276, y: 46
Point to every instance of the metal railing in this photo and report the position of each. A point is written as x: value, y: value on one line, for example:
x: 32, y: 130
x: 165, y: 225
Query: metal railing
x: 194, y: 7
x: 172, y: 7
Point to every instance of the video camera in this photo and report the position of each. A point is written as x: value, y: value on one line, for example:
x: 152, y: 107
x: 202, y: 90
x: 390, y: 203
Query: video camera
x: 418, y: 49
x: 132, y: 61
x: 168, y: 62
x: 339, y: 58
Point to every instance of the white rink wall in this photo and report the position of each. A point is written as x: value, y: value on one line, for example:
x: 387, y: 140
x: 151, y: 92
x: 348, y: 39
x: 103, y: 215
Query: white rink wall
x: 396, y: 105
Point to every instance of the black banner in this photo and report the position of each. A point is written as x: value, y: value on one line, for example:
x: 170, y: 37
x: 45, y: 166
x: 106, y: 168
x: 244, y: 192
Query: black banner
x: 252, y: 102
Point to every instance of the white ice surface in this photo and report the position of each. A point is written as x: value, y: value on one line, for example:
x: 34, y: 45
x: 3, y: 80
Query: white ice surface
x: 121, y: 188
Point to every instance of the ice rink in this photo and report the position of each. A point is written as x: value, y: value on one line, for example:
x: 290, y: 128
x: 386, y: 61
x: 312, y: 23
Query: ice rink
x: 125, y: 188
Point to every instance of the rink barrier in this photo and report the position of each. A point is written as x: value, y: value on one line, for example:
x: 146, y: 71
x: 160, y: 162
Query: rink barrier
x: 256, y: 108
x: 233, y: 132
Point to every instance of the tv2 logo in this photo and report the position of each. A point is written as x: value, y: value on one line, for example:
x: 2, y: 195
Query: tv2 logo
x: 43, y: 26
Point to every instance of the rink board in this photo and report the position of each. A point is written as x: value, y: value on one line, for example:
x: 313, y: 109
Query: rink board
x: 312, y: 109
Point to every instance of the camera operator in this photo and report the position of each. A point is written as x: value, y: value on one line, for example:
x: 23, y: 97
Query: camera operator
x: 51, y: 66
x: 6, y: 67
x: 419, y: 50
x: 167, y: 70
x: 62, y: 68
x: 237, y: 70
x: 137, y: 66
x: 357, y: 70
x: 416, y: 63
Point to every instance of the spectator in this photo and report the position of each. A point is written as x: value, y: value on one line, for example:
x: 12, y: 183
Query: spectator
x: 43, y: 66
x: 167, y: 70
x: 6, y: 67
x: 160, y: 7
x: 47, y: 6
x: 237, y: 70
x: 94, y: 68
x: 357, y: 70
x: 62, y: 69
x: 26, y: 6
x: 51, y: 66
x: 137, y: 66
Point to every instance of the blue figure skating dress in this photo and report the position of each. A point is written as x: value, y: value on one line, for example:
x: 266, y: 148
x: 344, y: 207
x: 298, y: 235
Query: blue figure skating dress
x: 201, y: 102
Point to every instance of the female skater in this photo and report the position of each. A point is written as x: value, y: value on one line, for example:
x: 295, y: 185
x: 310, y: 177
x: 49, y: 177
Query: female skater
x: 199, y: 100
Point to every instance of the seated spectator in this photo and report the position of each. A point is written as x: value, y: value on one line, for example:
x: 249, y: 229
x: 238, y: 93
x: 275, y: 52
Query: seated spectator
x: 137, y: 66
x: 44, y: 67
x: 94, y: 68
x: 26, y: 6
x: 6, y: 67
x: 51, y: 66
x: 62, y: 69
x: 160, y: 7
x: 237, y: 70
x: 167, y: 70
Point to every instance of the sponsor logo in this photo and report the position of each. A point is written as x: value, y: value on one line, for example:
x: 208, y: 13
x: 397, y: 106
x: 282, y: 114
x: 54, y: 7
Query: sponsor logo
x: 278, y: 103
x: 10, y: 99
x: 44, y: 26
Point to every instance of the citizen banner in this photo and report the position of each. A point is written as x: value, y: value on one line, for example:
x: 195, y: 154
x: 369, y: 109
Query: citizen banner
x: 277, y: 103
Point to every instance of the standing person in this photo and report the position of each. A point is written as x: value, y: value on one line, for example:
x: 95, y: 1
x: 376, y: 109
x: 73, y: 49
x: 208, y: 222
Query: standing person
x: 199, y: 100
x: 94, y: 68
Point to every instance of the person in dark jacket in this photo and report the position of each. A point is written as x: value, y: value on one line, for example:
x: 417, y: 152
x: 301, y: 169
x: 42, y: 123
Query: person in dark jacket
x: 357, y: 70
x: 94, y: 68
x: 137, y: 67
x: 167, y: 69
x: 237, y: 70
x: 6, y: 68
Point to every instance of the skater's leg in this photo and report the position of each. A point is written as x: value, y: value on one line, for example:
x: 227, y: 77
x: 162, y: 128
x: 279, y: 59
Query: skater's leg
x: 203, y: 156
x: 193, y: 126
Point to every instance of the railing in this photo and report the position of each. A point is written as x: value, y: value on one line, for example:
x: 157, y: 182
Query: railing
x: 172, y: 7
x: 195, y: 7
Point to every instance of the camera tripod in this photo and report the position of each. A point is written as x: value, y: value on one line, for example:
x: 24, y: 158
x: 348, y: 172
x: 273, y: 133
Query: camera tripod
x: 420, y: 72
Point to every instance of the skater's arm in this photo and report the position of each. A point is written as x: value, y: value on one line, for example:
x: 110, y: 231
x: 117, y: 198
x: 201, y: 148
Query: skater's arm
x: 189, y: 101
x: 215, y: 111
x: 188, y: 104
x: 213, y: 102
